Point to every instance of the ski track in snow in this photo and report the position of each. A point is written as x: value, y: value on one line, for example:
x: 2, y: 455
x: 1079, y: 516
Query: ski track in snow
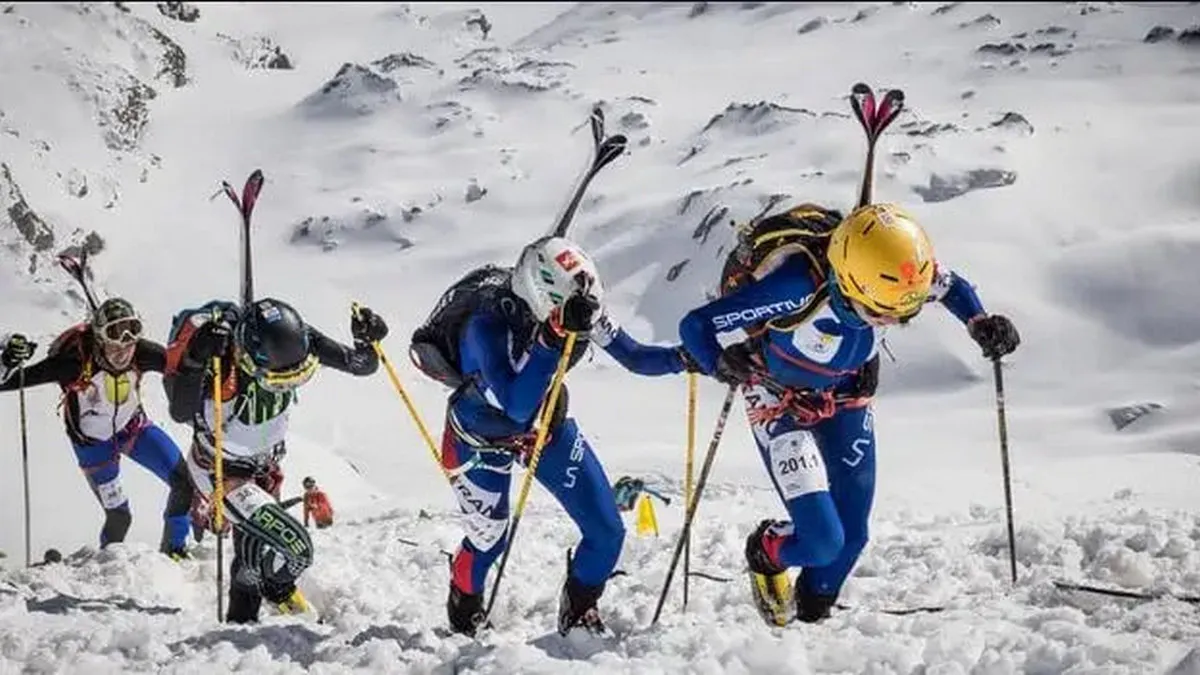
x: 393, y: 114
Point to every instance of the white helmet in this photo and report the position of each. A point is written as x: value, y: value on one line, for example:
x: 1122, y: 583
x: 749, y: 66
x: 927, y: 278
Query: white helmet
x: 552, y: 269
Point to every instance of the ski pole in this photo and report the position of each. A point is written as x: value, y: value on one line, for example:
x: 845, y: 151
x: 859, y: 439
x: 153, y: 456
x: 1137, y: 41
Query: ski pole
x: 24, y: 459
x: 687, y: 480
x: 695, y: 502
x: 412, y: 409
x: 544, y: 417
x: 219, y: 488
x: 998, y: 374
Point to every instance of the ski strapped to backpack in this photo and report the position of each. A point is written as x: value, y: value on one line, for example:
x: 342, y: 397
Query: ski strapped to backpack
x: 434, y: 345
x: 763, y: 243
x: 874, y: 119
x: 78, y: 269
x: 72, y: 338
x: 604, y: 151
x: 245, y: 206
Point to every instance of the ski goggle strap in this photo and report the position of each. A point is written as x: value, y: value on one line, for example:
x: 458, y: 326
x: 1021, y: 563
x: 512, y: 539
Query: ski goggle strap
x: 280, y: 380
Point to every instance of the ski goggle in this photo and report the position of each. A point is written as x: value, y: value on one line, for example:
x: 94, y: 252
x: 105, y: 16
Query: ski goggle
x: 121, y: 331
x: 280, y: 381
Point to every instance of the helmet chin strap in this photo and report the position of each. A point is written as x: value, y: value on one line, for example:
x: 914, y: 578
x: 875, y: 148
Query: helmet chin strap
x: 842, y: 306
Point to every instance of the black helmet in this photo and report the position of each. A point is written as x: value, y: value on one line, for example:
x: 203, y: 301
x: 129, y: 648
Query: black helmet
x: 273, y: 345
x: 116, y: 322
x: 309, y: 482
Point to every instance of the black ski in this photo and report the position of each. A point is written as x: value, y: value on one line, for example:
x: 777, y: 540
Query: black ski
x: 604, y: 151
x: 1118, y: 593
x: 245, y: 206
x: 874, y: 119
x: 895, y: 611
x: 78, y: 269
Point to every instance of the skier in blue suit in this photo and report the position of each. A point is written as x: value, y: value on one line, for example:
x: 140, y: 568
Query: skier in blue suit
x: 809, y: 370
x: 508, y: 333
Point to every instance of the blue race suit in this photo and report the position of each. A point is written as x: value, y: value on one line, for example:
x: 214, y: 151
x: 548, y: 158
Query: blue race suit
x: 823, y: 470
x: 148, y: 445
x: 490, y: 423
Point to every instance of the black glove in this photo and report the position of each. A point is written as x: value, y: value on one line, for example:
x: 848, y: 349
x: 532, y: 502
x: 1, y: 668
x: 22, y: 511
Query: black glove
x: 579, y: 313
x: 736, y: 365
x: 995, y: 334
x: 689, y: 364
x: 367, y: 326
x: 17, y: 350
x: 212, y: 338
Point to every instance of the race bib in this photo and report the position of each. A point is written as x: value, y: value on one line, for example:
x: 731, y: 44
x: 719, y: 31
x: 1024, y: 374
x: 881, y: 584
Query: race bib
x: 111, y: 494
x: 246, y: 499
x: 483, y: 532
x: 796, y: 465
x: 483, y: 520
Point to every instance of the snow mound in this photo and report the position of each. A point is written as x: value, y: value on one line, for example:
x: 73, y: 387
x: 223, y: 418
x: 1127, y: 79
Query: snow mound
x: 354, y: 90
x: 1138, y: 285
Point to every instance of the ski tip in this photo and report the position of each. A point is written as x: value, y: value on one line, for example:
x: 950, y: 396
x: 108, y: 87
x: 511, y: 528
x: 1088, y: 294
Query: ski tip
x: 597, y: 122
x: 860, y: 89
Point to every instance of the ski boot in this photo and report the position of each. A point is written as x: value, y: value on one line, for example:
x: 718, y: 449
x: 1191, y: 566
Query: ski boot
x: 179, y: 554
x: 769, y: 582
x: 577, y: 607
x: 811, y: 607
x: 465, y: 611
x: 244, y: 603
x: 295, y: 603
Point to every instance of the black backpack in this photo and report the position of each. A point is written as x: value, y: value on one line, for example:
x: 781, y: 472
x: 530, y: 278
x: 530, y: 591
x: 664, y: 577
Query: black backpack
x: 763, y: 244
x: 434, y: 347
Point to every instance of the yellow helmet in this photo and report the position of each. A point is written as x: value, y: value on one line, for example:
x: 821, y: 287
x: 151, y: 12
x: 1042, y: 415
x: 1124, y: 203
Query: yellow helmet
x: 882, y: 260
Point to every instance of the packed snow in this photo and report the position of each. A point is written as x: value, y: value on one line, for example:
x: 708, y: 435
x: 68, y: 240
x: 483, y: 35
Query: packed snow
x: 1049, y: 149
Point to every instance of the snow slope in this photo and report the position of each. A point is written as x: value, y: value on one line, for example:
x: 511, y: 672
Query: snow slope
x: 392, y: 114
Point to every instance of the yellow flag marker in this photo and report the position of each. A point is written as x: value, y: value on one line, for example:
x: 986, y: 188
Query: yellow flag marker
x: 646, y: 520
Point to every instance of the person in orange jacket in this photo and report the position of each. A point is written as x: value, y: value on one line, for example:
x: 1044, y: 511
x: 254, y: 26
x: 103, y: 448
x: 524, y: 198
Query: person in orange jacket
x: 316, y: 504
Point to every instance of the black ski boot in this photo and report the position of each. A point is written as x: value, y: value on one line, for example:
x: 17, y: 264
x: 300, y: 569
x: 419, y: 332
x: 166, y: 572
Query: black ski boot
x: 769, y: 583
x: 577, y: 607
x: 244, y: 604
x: 810, y: 607
x: 465, y: 611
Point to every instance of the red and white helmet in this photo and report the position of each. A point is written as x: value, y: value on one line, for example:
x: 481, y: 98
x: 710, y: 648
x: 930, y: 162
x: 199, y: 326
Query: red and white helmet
x: 552, y: 269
